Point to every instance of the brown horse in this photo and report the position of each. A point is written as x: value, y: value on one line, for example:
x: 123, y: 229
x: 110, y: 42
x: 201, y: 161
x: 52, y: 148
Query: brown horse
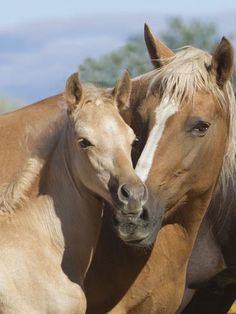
x: 189, y: 148
x: 60, y: 159
x: 213, y: 250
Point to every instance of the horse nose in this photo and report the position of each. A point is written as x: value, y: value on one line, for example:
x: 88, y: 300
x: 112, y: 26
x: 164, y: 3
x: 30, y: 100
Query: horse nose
x: 124, y: 193
x: 133, y: 196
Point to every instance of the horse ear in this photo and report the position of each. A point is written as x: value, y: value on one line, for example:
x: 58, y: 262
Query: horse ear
x: 73, y: 91
x: 122, y: 91
x: 223, y: 62
x: 156, y: 49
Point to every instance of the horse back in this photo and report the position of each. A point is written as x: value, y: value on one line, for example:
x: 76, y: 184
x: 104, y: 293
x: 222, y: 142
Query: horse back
x: 29, y: 132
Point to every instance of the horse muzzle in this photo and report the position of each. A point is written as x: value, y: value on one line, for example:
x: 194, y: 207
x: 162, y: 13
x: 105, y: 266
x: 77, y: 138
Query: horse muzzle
x: 133, y: 229
x: 132, y: 218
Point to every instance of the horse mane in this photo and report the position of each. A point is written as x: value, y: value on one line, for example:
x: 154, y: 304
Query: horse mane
x: 180, y: 77
x: 15, y: 194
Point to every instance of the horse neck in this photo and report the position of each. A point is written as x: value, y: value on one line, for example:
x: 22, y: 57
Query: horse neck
x: 78, y: 209
x: 221, y: 218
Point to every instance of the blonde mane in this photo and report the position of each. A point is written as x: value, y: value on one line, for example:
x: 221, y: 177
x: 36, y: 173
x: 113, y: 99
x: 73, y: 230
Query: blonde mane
x: 180, y: 77
x: 15, y: 194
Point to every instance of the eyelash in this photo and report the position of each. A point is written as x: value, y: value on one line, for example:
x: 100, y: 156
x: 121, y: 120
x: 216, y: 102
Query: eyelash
x: 84, y: 143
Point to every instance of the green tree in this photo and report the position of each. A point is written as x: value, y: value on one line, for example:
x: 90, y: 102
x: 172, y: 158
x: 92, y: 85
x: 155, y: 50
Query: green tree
x: 132, y: 56
x: 194, y: 33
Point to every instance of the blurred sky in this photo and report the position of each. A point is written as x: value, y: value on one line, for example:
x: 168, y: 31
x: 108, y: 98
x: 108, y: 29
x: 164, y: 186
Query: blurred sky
x: 16, y: 11
x: 43, y: 42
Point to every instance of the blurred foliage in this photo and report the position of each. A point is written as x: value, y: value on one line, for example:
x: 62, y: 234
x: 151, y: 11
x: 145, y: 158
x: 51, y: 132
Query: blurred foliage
x: 133, y: 55
x: 195, y: 33
x: 107, y: 69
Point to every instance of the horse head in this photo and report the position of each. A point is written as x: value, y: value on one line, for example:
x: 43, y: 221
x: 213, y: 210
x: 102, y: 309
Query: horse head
x: 103, y: 144
x: 190, y: 110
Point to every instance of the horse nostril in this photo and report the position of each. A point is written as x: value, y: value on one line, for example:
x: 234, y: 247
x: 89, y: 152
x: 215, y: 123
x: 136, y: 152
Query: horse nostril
x: 125, y: 191
x: 144, y: 215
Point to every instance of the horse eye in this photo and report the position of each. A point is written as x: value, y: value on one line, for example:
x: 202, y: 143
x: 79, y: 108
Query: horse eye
x: 84, y: 143
x: 201, y: 128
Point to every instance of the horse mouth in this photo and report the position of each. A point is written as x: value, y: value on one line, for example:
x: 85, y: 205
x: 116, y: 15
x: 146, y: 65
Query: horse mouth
x: 133, y: 239
x: 133, y: 230
x: 137, y: 230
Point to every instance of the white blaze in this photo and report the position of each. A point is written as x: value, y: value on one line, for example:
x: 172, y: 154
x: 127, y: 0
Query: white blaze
x: 162, y: 113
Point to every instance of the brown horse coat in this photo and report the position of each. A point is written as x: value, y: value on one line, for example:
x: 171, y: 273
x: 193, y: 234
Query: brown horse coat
x: 156, y: 278
x: 57, y: 168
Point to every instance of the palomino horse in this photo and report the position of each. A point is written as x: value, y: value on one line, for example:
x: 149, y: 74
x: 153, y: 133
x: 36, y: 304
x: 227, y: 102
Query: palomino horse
x: 212, y: 251
x: 189, y: 149
x: 60, y: 159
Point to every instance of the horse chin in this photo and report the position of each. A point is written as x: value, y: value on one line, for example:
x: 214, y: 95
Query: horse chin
x: 141, y: 238
x: 140, y: 233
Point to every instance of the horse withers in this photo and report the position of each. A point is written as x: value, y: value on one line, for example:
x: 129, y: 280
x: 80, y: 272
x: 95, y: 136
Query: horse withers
x: 189, y: 148
x: 60, y: 160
